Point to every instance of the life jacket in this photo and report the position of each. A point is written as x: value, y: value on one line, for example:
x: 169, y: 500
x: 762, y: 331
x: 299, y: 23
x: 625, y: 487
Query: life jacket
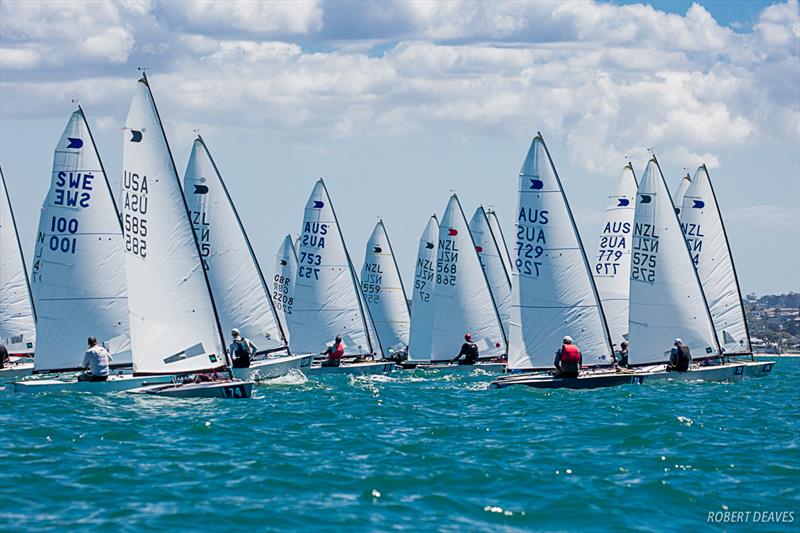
x: 241, y: 355
x: 570, y: 354
x: 683, y: 359
x: 336, y: 352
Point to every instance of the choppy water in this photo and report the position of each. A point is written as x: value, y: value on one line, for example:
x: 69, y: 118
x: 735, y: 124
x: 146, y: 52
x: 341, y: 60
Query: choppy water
x: 411, y: 451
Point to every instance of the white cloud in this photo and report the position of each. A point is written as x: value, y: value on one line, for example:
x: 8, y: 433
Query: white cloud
x: 113, y: 44
x: 210, y: 16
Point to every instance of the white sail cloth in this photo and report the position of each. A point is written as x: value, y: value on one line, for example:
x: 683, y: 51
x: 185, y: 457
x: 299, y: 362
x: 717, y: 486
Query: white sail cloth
x: 462, y: 301
x: 666, y: 299
x: 240, y: 293
x: 283, y: 284
x: 497, y: 231
x: 172, y: 318
x: 705, y: 235
x: 383, y: 292
x: 491, y: 258
x: 553, y: 290
x: 78, y: 274
x: 327, y: 297
x: 17, y: 318
x: 677, y: 196
x: 612, y: 266
x: 421, y: 330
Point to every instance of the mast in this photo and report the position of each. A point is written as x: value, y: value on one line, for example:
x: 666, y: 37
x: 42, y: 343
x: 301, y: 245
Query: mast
x: 496, y: 244
x: 102, y: 167
x: 502, y: 239
x: 19, y: 247
x: 394, y: 260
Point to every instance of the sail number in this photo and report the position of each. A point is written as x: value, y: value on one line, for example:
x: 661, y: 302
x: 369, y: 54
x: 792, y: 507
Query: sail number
x: 531, y: 241
x: 613, y: 246
x: 446, y: 262
x: 134, y: 209
x: 280, y: 294
x: 645, y: 253
x: 422, y: 275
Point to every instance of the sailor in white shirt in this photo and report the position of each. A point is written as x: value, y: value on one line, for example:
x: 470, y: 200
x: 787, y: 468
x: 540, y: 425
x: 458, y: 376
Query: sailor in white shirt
x: 96, y: 360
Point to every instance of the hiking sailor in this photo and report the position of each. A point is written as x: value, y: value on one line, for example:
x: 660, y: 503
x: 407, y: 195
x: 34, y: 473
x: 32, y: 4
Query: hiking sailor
x: 621, y: 357
x: 469, y: 351
x: 242, y: 350
x: 568, y: 359
x: 96, y: 361
x: 679, y: 358
x: 335, y: 352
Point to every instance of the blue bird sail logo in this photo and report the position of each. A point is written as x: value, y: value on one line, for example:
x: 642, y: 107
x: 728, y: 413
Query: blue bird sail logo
x: 536, y: 184
x: 136, y: 136
x: 73, y: 142
x: 201, y: 189
x: 646, y: 198
x: 377, y: 249
x: 429, y: 245
x: 318, y: 204
x: 698, y: 204
x: 623, y: 202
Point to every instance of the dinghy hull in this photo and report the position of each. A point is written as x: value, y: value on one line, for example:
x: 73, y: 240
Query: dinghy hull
x: 352, y: 369
x: 16, y: 371
x: 115, y: 383
x: 724, y: 372
x: 207, y: 389
x: 451, y: 367
x: 586, y: 381
x: 758, y: 369
x: 273, y: 368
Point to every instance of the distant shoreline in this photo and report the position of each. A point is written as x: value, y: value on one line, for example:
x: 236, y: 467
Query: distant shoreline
x: 776, y: 355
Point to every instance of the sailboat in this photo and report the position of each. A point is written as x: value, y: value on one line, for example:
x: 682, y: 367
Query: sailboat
x: 704, y: 230
x: 384, y: 293
x: 327, y: 298
x: 554, y: 292
x: 78, y: 274
x: 240, y: 292
x: 612, y: 266
x: 175, y: 327
x: 490, y: 252
x: 462, y: 300
x: 283, y: 284
x: 17, y: 315
x: 421, y: 328
x: 677, y: 196
x: 497, y: 232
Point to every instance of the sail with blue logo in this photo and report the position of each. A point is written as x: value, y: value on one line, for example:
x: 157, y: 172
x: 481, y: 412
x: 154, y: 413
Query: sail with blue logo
x: 553, y: 289
x: 78, y: 271
x: 282, y: 284
x: 421, y: 330
x: 612, y: 264
x: 677, y: 196
x: 666, y: 298
x: 704, y: 230
x: 491, y: 257
x: 17, y: 316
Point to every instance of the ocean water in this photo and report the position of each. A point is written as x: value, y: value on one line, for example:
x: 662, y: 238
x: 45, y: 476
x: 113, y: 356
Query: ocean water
x: 411, y: 451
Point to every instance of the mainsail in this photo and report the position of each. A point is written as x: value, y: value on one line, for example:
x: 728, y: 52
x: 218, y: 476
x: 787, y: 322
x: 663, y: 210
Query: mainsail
x: 174, y: 326
x: 490, y: 254
x: 462, y: 301
x: 283, y: 284
x: 553, y: 289
x: 241, y: 294
x: 497, y: 231
x: 677, y: 196
x: 78, y: 274
x: 384, y: 293
x: 421, y: 331
x: 666, y: 299
x: 327, y: 297
x: 612, y: 266
x: 17, y: 316
x: 704, y: 230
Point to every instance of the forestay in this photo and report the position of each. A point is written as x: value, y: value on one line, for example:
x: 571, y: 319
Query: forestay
x: 677, y: 196
x: 78, y: 273
x: 173, y: 322
x: 666, y: 299
x: 612, y: 266
x: 17, y: 317
x: 239, y: 290
x: 490, y: 255
x: 421, y: 331
x: 462, y: 301
x: 327, y: 297
x: 283, y: 284
x: 553, y: 289
x: 497, y: 231
x: 384, y: 293
x: 702, y: 225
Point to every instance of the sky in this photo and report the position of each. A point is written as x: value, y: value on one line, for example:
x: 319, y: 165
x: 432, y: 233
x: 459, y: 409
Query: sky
x: 396, y: 104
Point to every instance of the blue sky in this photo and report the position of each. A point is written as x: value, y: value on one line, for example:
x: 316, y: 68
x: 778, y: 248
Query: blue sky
x: 396, y: 104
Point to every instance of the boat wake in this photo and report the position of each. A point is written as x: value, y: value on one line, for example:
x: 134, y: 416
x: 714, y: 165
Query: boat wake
x: 294, y: 377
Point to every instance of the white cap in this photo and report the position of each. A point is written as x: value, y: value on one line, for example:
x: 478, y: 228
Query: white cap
x: 678, y: 340
x: 235, y: 332
x: 567, y: 339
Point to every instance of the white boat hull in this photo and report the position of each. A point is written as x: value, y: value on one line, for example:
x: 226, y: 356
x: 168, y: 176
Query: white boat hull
x: 451, y: 367
x: 115, y: 383
x: 758, y: 369
x: 207, y: 389
x: 724, y: 372
x: 276, y: 367
x: 16, y: 371
x: 353, y: 369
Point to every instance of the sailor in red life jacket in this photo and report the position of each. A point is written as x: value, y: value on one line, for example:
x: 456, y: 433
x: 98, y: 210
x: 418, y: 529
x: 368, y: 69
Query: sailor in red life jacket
x: 334, y: 353
x: 568, y: 360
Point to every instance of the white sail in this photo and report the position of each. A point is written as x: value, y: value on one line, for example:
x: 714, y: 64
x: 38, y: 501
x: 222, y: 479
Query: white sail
x: 78, y: 273
x: 172, y: 317
x: 283, y: 284
x: 497, y: 231
x: 704, y: 230
x: 17, y: 317
x: 677, y: 196
x: 666, y: 299
x: 384, y: 293
x: 553, y: 290
x: 491, y: 257
x: 421, y: 330
x: 462, y: 301
x: 240, y: 292
x: 612, y: 266
x: 327, y: 296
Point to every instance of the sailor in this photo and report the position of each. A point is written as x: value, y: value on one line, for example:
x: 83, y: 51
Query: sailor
x: 242, y: 350
x: 568, y: 359
x: 3, y: 355
x: 622, y: 356
x: 679, y: 358
x: 335, y: 352
x: 95, y: 362
x: 469, y: 351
